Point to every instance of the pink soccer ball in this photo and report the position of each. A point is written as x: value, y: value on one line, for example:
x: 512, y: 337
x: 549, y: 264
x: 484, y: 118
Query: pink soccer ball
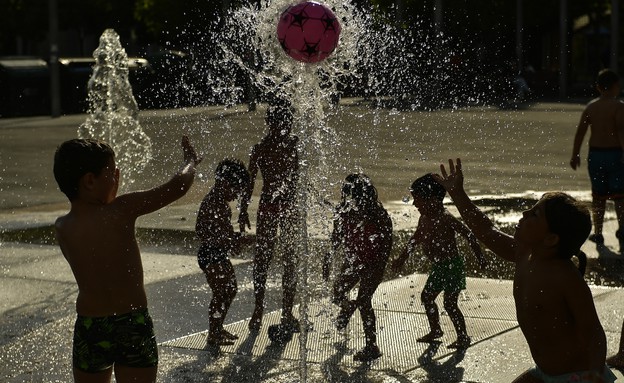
x: 308, y: 31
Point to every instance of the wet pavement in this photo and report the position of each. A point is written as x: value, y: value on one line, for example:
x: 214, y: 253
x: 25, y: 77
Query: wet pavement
x: 38, y: 293
x: 37, y: 296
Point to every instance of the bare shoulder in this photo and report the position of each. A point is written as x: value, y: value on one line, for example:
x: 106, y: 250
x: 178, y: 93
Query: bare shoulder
x: 567, y: 276
x: 58, y: 223
x: 59, y: 228
x: 455, y: 223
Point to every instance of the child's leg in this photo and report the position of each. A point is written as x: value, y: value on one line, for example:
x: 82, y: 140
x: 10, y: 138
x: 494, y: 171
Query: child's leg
x: 345, y: 281
x: 452, y: 308
x: 230, y: 287
x: 133, y: 374
x: 369, y: 282
x: 266, y: 232
x: 370, y: 279
x: 598, y: 212
x: 93, y: 377
x: 369, y: 322
x: 222, y: 281
x: 428, y: 298
x: 289, y: 262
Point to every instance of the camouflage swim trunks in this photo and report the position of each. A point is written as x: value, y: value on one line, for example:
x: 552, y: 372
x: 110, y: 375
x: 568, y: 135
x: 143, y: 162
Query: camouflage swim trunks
x: 127, y: 339
x: 447, y: 275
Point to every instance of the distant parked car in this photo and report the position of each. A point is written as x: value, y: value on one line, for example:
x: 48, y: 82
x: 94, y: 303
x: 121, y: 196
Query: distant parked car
x: 24, y: 86
x: 75, y: 73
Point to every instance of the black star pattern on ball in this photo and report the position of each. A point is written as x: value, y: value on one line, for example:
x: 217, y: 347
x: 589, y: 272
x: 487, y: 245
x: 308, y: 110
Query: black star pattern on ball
x: 311, y: 48
x: 328, y: 22
x: 298, y: 19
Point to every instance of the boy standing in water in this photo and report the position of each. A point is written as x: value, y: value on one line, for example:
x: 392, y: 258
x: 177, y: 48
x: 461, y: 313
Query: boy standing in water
x: 218, y: 241
x: 554, y: 306
x: 363, y: 229
x: 436, y: 235
x: 276, y: 157
x: 113, y: 329
x: 605, y: 160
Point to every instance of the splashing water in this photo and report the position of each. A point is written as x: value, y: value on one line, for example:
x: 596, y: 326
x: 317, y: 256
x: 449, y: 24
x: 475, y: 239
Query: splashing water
x: 113, y: 111
x: 371, y: 54
x: 248, y: 43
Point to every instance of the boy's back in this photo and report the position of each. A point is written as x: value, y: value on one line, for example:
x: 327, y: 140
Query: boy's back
x: 99, y: 244
x: 436, y: 235
x: 602, y: 116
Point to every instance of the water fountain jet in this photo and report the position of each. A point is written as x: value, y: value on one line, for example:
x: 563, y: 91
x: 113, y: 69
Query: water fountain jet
x: 113, y: 113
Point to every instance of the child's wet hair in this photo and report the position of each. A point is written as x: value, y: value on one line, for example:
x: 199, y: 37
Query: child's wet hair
x: 360, y: 188
x: 570, y: 220
x: 77, y: 157
x: 232, y: 171
x: 606, y: 79
x: 427, y: 187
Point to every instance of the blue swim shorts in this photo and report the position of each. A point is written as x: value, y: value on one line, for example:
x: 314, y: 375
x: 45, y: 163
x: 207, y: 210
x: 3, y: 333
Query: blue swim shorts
x: 127, y: 339
x: 606, y: 172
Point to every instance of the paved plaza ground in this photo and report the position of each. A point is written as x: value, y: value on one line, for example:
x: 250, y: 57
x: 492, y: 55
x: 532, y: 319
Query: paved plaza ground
x: 506, y: 154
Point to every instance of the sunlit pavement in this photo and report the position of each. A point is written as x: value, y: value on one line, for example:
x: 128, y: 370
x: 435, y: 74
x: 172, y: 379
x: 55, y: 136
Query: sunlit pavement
x: 38, y: 292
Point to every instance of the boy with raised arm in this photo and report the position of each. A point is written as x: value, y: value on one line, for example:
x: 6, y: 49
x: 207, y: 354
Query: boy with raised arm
x: 435, y: 234
x: 113, y: 329
x: 554, y: 306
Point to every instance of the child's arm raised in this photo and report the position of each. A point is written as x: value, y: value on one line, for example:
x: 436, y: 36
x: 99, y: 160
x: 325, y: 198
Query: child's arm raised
x: 463, y: 230
x: 148, y: 201
x: 500, y: 243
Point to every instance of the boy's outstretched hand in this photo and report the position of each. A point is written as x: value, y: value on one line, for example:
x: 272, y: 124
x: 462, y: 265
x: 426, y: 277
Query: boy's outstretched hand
x: 454, y: 180
x: 189, y: 152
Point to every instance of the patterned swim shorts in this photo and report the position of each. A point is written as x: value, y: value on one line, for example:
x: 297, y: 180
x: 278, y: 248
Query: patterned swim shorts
x: 127, y: 339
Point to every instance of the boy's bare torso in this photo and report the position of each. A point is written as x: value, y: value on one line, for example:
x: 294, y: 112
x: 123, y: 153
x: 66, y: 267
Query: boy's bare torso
x: 546, y: 319
x: 436, y: 236
x: 602, y: 116
x: 214, y: 221
x: 278, y: 161
x: 99, y: 244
